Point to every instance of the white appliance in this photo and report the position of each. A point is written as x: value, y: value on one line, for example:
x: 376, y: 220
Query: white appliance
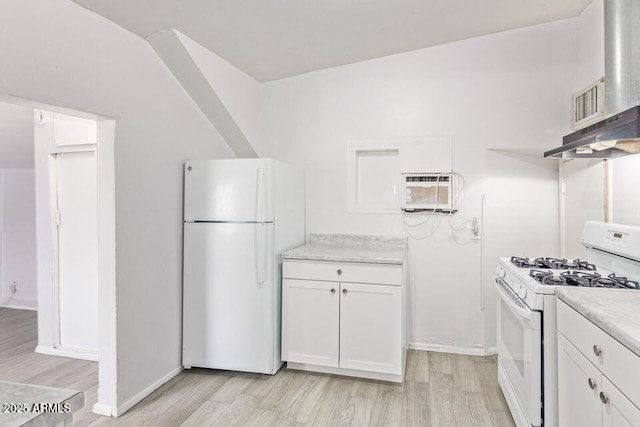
x: 527, y: 326
x: 239, y: 216
x: 427, y: 192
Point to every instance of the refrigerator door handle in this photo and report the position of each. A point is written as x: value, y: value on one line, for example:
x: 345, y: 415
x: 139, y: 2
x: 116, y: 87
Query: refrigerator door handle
x: 261, y: 253
x: 260, y: 196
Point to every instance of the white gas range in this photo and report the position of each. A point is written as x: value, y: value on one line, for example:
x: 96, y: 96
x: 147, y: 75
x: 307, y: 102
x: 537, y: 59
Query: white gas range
x: 527, y: 335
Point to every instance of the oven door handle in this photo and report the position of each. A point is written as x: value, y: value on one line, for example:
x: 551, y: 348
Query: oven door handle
x: 531, y: 316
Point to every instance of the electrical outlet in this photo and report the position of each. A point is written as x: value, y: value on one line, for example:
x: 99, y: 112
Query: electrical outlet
x: 14, y: 287
x: 475, y: 230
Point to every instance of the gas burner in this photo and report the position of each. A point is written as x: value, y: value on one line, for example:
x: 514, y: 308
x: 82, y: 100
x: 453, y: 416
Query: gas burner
x: 623, y: 282
x: 553, y: 280
x: 580, y: 278
x: 547, y: 278
x: 539, y: 275
x: 522, y: 262
x: 604, y: 282
x: 578, y: 264
x: 554, y: 263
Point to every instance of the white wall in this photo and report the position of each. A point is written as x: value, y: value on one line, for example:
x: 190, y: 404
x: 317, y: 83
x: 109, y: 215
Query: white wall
x: 59, y: 53
x: 584, y: 200
x: 509, y: 91
x: 625, y: 197
x: 18, y: 237
x: 16, y: 136
x: 17, y: 211
x: 590, y: 45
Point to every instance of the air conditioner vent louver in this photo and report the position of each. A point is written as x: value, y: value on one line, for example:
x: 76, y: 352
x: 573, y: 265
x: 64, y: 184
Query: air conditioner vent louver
x: 588, y: 104
x: 428, y: 178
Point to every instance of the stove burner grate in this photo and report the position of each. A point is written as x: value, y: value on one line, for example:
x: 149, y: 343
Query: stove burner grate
x: 583, y: 279
x: 522, y: 262
x: 547, y: 278
x: 579, y: 278
x: 623, y: 282
x: 578, y: 264
x: 552, y: 263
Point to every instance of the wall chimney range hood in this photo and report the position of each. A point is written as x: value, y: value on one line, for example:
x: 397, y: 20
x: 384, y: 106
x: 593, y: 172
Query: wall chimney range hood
x: 619, y: 134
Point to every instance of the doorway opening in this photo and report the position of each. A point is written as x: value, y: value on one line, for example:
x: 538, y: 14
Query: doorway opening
x: 74, y: 204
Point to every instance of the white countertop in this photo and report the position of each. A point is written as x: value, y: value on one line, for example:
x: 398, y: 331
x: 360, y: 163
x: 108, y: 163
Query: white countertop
x: 616, y: 311
x: 351, y: 248
x: 26, y: 395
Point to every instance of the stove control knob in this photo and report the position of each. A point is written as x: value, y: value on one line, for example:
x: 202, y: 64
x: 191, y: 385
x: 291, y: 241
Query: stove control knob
x: 500, y: 272
x: 522, y: 293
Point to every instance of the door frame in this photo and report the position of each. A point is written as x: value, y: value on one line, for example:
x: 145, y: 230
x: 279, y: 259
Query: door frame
x: 55, y: 253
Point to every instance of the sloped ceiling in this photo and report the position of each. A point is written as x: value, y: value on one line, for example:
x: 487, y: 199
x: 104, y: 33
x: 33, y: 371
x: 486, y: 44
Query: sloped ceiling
x: 274, y: 39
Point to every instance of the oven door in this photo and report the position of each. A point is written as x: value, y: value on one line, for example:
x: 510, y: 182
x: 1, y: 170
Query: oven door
x: 519, y: 356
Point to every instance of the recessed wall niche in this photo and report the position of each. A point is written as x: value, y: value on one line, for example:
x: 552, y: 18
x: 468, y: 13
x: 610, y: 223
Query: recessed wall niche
x: 374, y: 169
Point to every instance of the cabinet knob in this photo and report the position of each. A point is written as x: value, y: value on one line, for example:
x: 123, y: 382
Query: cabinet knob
x: 596, y: 350
x: 339, y: 272
x: 592, y: 384
x: 604, y: 398
x: 333, y: 291
x: 344, y: 291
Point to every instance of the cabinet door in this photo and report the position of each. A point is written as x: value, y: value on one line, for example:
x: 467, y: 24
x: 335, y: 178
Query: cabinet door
x: 618, y: 410
x: 579, y: 385
x: 370, y: 327
x: 310, y: 322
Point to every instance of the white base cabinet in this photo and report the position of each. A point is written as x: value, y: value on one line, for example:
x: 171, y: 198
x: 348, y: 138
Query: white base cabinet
x: 311, y: 316
x: 349, y: 328
x: 587, y: 395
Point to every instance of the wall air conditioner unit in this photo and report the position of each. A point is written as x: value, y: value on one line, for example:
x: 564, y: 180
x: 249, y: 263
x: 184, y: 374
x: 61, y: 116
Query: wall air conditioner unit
x: 588, y: 105
x: 428, y: 192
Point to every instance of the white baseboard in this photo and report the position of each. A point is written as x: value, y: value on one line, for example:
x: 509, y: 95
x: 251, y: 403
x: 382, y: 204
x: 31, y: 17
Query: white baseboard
x: 442, y: 348
x: 345, y: 372
x: 19, y: 304
x: 121, y: 409
x: 102, y: 409
x: 50, y: 351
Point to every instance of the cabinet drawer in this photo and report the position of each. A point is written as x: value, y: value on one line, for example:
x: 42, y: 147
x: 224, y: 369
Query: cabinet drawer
x: 384, y: 274
x: 614, y: 360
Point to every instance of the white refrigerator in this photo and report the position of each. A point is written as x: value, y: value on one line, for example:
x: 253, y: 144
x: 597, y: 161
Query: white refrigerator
x: 239, y: 216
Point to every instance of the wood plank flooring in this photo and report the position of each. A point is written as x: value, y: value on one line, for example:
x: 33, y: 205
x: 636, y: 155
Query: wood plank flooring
x: 439, y: 390
x: 19, y: 363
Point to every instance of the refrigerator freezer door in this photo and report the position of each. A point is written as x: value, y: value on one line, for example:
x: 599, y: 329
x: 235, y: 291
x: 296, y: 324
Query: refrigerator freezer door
x: 236, y: 190
x: 229, y: 297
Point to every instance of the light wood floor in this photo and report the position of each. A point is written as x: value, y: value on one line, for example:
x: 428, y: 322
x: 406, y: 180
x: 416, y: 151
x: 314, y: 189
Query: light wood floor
x: 18, y: 362
x: 439, y: 390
